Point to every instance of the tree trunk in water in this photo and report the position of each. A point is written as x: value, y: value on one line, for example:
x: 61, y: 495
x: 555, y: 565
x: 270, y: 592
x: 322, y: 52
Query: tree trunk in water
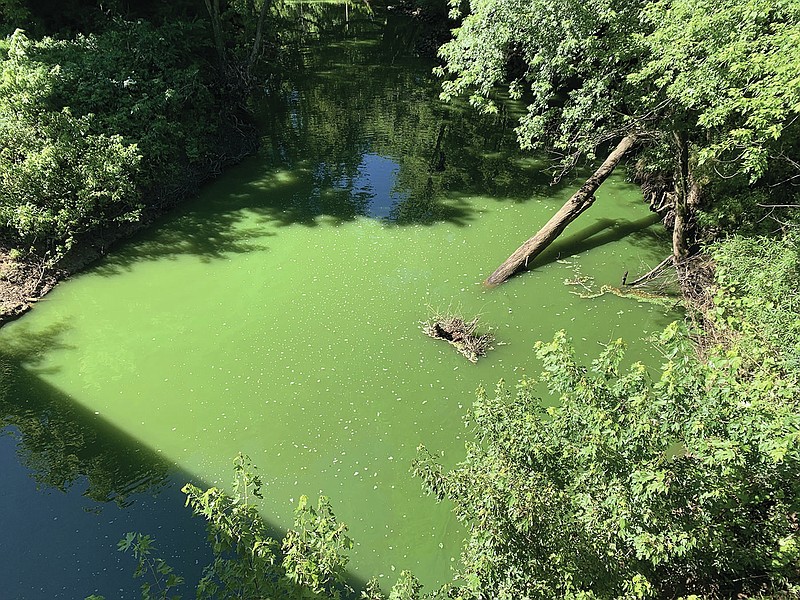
x: 577, y: 204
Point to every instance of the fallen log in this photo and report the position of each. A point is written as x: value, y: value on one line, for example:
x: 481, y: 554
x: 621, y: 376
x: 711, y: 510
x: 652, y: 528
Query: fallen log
x: 575, y: 206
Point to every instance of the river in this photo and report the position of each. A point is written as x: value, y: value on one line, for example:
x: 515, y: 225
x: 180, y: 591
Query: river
x: 278, y: 314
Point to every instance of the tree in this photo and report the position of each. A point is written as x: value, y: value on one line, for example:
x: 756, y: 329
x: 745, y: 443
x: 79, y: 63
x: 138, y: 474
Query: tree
x: 98, y: 130
x: 724, y: 76
x: 59, y: 178
x: 247, y: 31
x: 628, y: 487
x: 709, y: 88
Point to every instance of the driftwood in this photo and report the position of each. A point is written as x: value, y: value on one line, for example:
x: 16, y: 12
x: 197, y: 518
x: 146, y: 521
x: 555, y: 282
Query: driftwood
x: 461, y: 334
x: 652, y: 273
x: 575, y: 206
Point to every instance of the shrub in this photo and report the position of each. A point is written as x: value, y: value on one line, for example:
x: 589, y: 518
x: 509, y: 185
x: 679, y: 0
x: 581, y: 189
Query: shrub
x: 629, y: 487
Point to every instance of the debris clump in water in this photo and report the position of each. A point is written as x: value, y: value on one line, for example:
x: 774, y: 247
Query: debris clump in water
x: 462, y: 334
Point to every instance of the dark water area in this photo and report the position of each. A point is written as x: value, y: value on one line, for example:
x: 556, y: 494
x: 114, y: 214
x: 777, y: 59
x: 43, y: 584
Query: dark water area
x: 72, y: 487
x: 278, y: 314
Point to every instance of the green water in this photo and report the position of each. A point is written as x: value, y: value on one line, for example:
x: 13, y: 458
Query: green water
x: 279, y: 313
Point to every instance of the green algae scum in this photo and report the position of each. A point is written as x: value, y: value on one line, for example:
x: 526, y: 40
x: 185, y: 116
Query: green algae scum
x: 279, y: 314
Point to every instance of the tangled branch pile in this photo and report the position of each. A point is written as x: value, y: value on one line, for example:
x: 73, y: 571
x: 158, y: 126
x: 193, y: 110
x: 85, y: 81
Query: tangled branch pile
x: 461, y: 334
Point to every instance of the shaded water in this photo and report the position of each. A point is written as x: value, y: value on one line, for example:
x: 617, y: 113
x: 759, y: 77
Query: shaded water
x: 278, y: 314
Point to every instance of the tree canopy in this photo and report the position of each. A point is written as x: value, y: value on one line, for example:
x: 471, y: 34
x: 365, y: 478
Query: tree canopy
x: 712, y: 89
x: 98, y: 129
x: 592, y: 70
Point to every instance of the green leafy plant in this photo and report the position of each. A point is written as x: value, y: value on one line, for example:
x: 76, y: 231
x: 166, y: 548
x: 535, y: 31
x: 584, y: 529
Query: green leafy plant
x: 164, y: 580
x: 756, y: 307
x: 100, y: 129
x: 628, y: 487
x: 248, y: 562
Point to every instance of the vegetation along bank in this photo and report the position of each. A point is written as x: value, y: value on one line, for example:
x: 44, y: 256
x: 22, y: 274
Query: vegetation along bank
x: 109, y: 117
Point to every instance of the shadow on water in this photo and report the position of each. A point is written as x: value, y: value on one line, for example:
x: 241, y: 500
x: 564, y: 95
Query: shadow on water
x: 84, y: 483
x: 207, y: 230
x: 605, y: 231
x: 303, y: 181
x: 60, y: 442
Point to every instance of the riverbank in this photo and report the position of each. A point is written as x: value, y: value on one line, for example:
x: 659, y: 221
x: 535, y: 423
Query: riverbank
x: 26, y: 279
x: 23, y: 282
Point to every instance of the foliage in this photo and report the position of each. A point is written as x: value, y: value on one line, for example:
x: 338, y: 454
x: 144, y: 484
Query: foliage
x: 146, y: 84
x: 755, y: 300
x: 94, y: 127
x: 59, y: 178
x: 248, y: 562
x: 723, y: 73
x: 244, y: 553
x: 430, y: 9
x: 115, y: 119
x: 570, y: 59
x: 709, y: 88
x: 65, y: 18
x: 237, y: 29
x: 629, y: 487
x: 729, y: 70
x: 738, y: 211
x: 314, y: 552
x: 406, y: 588
x: 13, y: 12
x: 149, y: 565
x: 52, y: 16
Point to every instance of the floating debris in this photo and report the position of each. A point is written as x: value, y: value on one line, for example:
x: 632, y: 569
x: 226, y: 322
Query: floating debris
x: 462, y: 334
x: 639, y: 295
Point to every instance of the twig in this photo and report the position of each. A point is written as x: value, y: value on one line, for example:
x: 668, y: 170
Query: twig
x: 652, y: 272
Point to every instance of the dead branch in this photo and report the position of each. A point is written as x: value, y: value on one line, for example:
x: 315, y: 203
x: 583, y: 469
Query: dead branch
x: 654, y: 272
x: 461, y: 334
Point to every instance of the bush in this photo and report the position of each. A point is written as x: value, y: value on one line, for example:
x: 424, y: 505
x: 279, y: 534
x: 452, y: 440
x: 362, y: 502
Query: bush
x: 59, y: 177
x: 756, y: 301
x: 93, y: 126
x: 629, y: 488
